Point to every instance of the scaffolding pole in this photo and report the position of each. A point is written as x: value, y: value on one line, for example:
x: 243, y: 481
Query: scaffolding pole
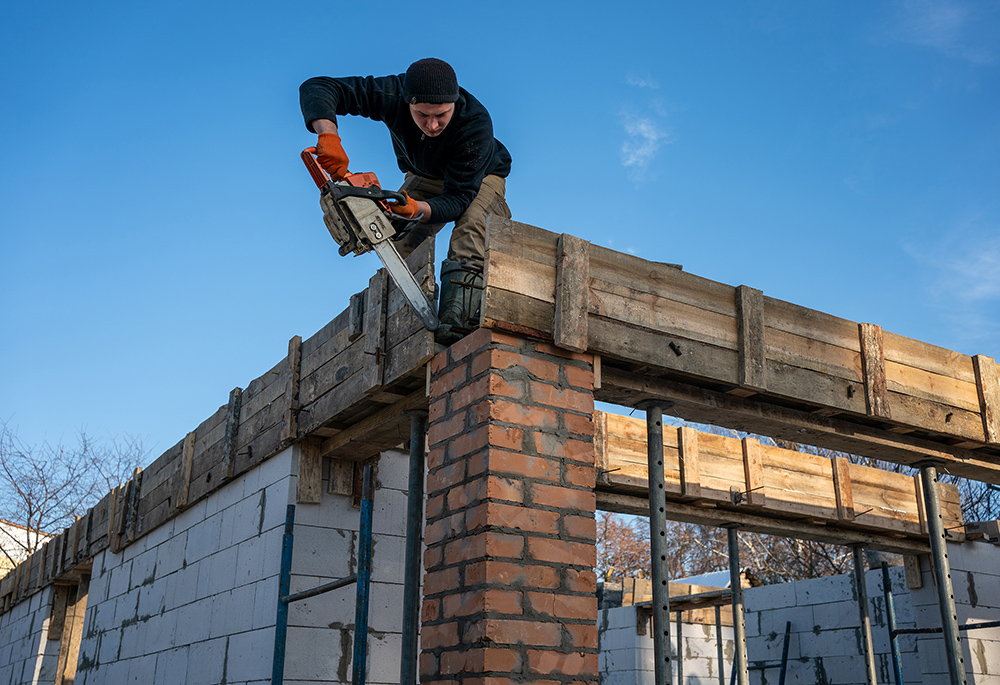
x: 658, y: 540
x: 866, y: 624
x: 740, y: 665
x: 414, y: 537
x: 942, y: 574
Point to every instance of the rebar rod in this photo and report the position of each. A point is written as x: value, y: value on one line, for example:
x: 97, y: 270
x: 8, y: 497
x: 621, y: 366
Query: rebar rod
x: 865, y: 620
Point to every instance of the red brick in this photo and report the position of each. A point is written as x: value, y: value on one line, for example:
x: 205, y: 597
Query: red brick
x: 582, y: 476
x: 580, y: 527
x: 430, y: 610
x: 551, y: 445
x: 582, y: 636
x: 470, y: 393
x: 436, y: 582
x: 437, y: 410
x: 504, y: 489
x: 445, y: 528
x: 579, y: 377
x: 470, y: 493
x: 439, y: 362
x: 550, y: 395
x: 468, y: 442
x: 578, y: 424
x: 581, y: 581
x: 506, y: 437
x: 510, y: 574
x: 567, y: 498
x: 508, y: 631
x: 491, y: 601
x: 448, y: 381
x: 436, y: 457
x: 518, y: 464
x: 517, y: 390
x: 433, y: 555
x: 523, y: 519
x: 435, y: 506
x: 487, y: 544
x: 574, y: 663
x: 428, y: 665
x: 535, y: 417
x: 502, y: 360
x: 559, y: 552
x: 445, y: 477
x: 473, y: 342
x: 443, y: 430
x: 579, y: 607
x: 439, y: 635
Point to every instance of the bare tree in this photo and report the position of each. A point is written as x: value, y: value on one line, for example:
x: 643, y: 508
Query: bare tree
x: 43, y: 488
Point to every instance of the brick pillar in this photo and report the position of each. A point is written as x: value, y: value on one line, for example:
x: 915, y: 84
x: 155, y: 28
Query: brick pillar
x: 509, y: 593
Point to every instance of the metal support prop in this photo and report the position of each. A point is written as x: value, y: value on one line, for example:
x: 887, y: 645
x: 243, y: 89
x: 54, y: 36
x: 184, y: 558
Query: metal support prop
x: 360, y: 665
x: 741, y: 665
x: 718, y: 645
x: 942, y: 575
x: 866, y: 624
x: 284, y: 583
x: 890, y: 610
x: 658, y: 541
x: 414, y: 537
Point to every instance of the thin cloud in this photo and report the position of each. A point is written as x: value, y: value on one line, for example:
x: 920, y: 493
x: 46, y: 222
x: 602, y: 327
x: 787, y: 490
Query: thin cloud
x: 643, y: 139
x: 642, y: 81
x: 958, y: 31
x: 964, y: 279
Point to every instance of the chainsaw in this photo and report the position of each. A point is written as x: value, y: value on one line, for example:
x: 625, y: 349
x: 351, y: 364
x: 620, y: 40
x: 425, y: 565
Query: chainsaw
x: 358, y: 213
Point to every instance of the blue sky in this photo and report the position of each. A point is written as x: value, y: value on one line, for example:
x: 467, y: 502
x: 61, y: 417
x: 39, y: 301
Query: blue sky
x: 160, y: 240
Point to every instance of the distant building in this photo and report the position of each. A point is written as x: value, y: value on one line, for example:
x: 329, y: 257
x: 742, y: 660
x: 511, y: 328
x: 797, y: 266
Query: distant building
x: 14, y: 544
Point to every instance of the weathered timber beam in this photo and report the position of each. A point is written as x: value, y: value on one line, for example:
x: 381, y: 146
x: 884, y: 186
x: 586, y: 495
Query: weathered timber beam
x: 754, y: 416
x: 380, y: 431
x: 638, y: 505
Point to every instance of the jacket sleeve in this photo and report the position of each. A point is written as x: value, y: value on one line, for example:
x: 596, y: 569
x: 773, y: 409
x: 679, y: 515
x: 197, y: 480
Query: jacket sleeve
x: 375, y: 98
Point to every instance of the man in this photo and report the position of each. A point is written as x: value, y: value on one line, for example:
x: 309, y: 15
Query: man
x: 455, y: 169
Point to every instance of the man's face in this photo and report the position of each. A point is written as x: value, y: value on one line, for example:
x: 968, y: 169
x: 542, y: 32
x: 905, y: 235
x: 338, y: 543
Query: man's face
x: 432, y: 119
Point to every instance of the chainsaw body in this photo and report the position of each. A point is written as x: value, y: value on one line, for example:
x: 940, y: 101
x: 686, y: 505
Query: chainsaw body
x: 358, y: 215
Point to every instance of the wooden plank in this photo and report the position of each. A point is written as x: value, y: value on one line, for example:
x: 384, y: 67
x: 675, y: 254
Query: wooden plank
x: 341, y: 481
x: 232, y: 428
x: 132, y: 510
x: 356, y: 313
x: 309, y: 489
x: 289, y: 431
x: 375, y: 325
x: 688, y: 461
x: 183, y: 487
x: 57, y: 616
x: 753, y: 473
x: 911, y: 567
x: 873, y: 366
x: 988, y: 387
x: 380, y: 431
x: 702, y: 405
x: 572, y: 284
x: 750, y: 330
x: 842, y: 488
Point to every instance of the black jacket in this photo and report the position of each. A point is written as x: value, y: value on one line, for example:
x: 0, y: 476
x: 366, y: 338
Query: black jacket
x: 462, y: 155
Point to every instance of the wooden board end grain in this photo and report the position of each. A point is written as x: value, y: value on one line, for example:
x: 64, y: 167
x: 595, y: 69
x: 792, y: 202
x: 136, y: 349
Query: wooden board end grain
x: 988, y: 386
x: 873, y: 366
x: 750, y: 332
x: 572, y: 287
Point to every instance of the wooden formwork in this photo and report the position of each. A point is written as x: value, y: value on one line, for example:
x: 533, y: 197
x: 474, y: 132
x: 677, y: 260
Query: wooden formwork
x: 715, y: 479
x: 731, y: 356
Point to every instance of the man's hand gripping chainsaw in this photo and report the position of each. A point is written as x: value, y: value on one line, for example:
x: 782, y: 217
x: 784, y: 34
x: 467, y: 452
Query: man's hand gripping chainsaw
x: 358, y: 213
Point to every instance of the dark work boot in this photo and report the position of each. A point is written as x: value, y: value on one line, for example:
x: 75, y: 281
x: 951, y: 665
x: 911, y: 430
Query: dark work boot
x: 461, y: 297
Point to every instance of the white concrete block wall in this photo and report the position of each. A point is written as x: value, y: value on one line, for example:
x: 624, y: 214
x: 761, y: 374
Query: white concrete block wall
x: 27, y: 656
x: 975, y: 575
x: 321, y: 629
x: 195, y: 602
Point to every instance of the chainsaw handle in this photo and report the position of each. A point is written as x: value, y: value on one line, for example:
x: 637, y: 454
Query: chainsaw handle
x: 319, y: 176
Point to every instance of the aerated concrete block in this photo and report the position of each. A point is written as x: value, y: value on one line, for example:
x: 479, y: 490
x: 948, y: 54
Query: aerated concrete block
x: 250, y: 655
x: 203, y: 539
x: 769, y: 597
x: 171, y: 667
x: 206, y: 661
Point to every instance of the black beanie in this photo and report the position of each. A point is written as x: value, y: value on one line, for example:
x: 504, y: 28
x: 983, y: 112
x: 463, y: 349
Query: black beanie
x: 430, y: 80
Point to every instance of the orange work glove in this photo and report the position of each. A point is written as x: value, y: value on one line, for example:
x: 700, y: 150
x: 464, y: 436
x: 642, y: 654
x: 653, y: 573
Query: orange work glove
x: 408, y: 210
x: 331, y: 156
